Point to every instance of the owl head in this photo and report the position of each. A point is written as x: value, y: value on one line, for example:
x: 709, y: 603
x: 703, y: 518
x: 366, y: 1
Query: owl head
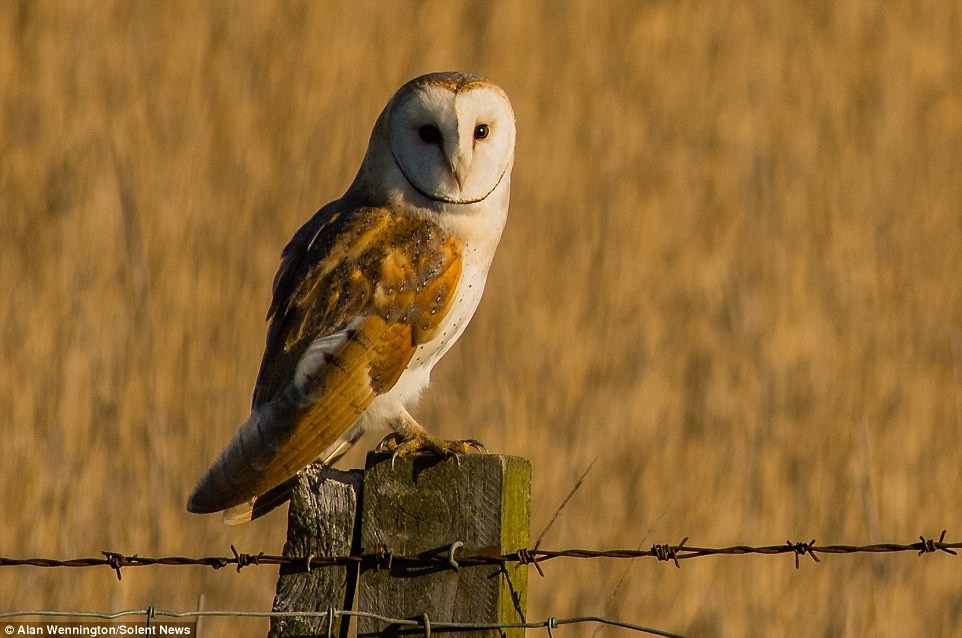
x: 446, y: 138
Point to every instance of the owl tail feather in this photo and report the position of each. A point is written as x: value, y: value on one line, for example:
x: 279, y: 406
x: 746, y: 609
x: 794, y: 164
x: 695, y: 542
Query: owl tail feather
x: 261, y: 505
x: 275, y: 497
x: 238, y: 473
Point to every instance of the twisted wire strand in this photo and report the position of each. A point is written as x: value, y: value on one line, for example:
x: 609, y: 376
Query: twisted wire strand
x: 385, y: 559
x: 423, y: 622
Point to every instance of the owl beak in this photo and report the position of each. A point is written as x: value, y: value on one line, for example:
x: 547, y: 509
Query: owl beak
x: 459, y: 159
x: 459, y: 168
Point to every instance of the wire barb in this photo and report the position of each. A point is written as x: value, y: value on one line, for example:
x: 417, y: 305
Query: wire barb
x: 801, y: 549
x: 669, y: 553
x: 115, y: 561
x: 525, y: 557
x: 243, y: 560
x: 930, y: 546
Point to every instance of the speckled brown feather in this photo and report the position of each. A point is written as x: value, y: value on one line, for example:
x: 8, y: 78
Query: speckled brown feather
x: 386, y: 281
x: 348, y: 264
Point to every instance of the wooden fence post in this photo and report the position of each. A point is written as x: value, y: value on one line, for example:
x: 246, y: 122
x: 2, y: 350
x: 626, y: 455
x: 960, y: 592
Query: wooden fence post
x: 475, y: 504
x: 478, y: 503
x: 322, y: 522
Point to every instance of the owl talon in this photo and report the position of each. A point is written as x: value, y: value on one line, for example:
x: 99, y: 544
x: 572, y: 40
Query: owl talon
x: 477, y: 445
x: 390, y: 442
x: 401, y: 446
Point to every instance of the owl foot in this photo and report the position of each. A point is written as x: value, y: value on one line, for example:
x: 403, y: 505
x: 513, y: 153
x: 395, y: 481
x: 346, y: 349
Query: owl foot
x: 401, y: 446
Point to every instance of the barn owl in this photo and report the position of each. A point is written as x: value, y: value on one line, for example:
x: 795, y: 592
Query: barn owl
x: 373, y: 290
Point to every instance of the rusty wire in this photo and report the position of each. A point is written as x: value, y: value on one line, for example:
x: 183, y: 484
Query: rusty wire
x: 381, y: 558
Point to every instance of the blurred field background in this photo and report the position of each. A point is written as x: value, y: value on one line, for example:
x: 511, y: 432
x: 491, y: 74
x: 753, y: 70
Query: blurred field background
x: 731, y: 275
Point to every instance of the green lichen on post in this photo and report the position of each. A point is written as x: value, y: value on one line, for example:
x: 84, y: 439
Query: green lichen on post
x: 516, y: 533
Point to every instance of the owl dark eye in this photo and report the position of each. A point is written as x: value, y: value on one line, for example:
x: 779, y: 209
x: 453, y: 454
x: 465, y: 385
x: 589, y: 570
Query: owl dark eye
x: 481, y: 131
x: 429, y: 134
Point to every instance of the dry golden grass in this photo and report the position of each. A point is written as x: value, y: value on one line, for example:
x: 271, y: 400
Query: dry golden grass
x: 731, y: 275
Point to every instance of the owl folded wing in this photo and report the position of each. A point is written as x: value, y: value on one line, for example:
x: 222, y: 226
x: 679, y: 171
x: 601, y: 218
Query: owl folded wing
x: 358, y: 291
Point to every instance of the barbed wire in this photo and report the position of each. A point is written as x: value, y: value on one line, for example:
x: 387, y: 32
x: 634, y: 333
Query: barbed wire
x: 449, y: 558
x: 424, y: 622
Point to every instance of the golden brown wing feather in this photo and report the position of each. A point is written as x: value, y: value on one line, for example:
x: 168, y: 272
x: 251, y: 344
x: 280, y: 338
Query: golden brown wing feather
x: 382, y: 280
